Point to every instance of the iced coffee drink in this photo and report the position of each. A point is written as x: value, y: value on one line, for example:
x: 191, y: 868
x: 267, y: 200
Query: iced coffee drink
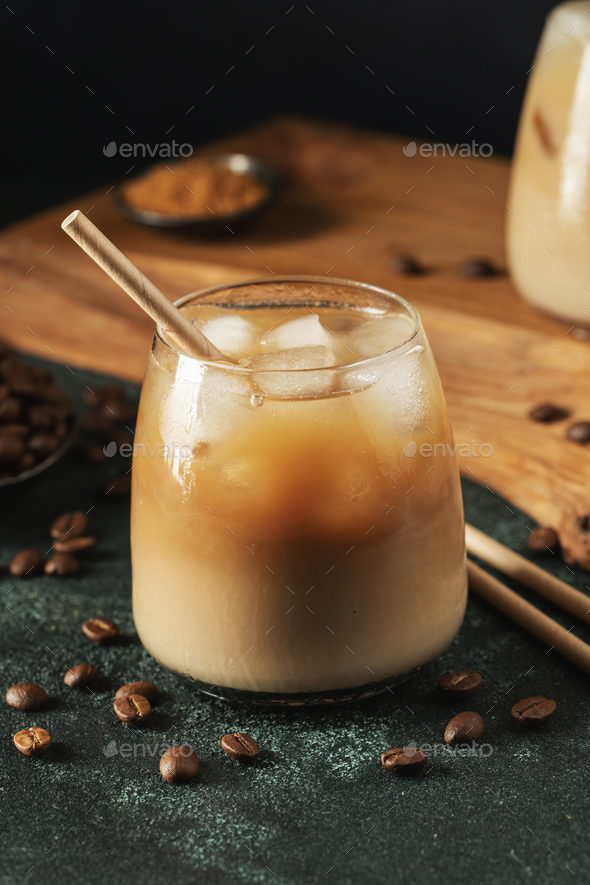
x: 291, y: 542
x: 549, y: 201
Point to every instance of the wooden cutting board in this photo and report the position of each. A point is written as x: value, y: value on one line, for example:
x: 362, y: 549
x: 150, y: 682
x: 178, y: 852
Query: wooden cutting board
x: 352, y: 203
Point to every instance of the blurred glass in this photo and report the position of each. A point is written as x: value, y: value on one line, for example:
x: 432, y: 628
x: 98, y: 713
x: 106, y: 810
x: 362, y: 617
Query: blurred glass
x: 548, y: 231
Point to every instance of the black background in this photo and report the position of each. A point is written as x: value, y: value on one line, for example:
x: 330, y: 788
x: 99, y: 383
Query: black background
x: 144, y: 65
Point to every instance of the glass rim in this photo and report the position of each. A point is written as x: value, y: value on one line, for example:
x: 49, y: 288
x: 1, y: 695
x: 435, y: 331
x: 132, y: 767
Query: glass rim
x: 297, y: 278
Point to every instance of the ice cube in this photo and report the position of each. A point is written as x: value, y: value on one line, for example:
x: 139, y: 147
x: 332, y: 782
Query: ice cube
x: 379, y: 335
x: 233, y: 335
x: 409, y: 386
x: 291, y: 359
x: 304, y: 332
x: 280, y: 373
x: 200, y: 407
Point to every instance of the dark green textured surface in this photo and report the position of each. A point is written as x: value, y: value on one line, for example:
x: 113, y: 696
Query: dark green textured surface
x: 317, y: 806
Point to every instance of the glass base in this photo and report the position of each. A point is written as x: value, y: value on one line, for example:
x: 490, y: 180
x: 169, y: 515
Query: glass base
x: 304, y: 699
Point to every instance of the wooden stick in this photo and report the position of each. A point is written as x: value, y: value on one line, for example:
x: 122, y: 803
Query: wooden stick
x: 529, y: 617
x: 515, y: 566
x: 123, y: 272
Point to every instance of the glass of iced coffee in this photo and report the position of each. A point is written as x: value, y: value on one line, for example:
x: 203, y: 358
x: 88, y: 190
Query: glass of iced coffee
x: 297, y: 525
x: 548, y: 219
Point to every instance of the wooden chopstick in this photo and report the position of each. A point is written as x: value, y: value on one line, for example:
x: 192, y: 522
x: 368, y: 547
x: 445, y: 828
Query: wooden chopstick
x: 529, y: 617
x: 515, y: 566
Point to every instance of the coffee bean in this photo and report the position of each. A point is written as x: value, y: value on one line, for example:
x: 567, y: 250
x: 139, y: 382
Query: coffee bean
x: 240, y: 746
x: 179, y: 764
x: 461, y: 684
x: 406, y: 264
x: 478, y: 267
x: 71, y: 525
x: 10, y: 410
x: 32, y: 741
x: 145, y: 689
x: 62, y: 564
x: 81, y: 675
x: 42, y: 417
x: 534, y: 711
x: 404, y: 760
x: 100, y: 630
x: 57, y: 398
x: 74, y: 545
x: 547, y: 413
x: 464, y: 728
x: 542, y: 538
x: 27, y: 462
x: 91, y: 398
x: 61, y: 430
x: 26, y: 564
x: 27, y: 696
x: 579, y: 432
x: 132, y: 708
x: 21, y: 430
x: 33, y: 410
x: 118, y: 487
x: 43, y: 444
x: 21, y: 378
x: 11, y: 449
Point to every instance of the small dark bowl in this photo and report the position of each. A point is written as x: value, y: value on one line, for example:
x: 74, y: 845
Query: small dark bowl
x: 242, y: 163
x: 44, y: 465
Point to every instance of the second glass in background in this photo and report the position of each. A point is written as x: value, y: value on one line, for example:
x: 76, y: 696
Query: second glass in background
x: 548, y: 222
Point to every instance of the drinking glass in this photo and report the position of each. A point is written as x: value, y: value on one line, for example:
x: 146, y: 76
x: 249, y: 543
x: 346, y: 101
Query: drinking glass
x: 548, y: 221
x: 297, y: 534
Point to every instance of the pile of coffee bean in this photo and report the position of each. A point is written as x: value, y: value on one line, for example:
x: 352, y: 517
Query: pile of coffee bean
x: 132, y: 704
x: 107, y: 430
x: 179, y: 765
x: 70, y: 541
x: 549, y: 413
x: 36, y: 416
x: 468, y: 726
